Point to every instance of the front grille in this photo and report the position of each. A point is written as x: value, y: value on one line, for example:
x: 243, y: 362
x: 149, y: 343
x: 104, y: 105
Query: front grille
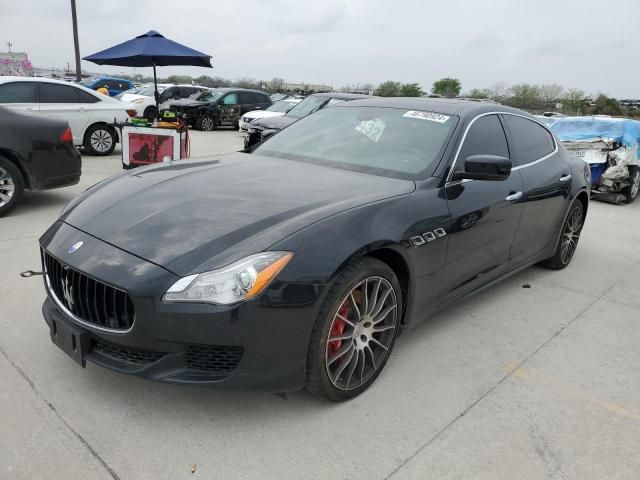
x: 219, y: 359
x: 88, y: 299
x: 125, y: 354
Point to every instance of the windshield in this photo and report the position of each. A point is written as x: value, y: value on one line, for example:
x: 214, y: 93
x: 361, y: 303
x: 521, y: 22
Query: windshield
x: 385, y: 141
x: 282, y: 106
x: 209, y: 96
x: 306, y: 106
x: 89, y: 81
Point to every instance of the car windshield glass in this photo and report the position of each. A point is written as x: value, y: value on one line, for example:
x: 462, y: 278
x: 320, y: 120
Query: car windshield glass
x: 148, y: 90
x: 385, y: 141
x: 282, y: 106
x: 89, y: 81
x: 208, y: 96
x: 306, y: 106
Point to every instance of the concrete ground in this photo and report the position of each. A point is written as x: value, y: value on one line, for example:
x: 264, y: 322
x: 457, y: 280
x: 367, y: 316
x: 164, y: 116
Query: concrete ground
x: 515, y: 383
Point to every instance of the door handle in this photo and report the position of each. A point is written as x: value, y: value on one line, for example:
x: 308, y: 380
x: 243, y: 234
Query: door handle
x: 513, y: 196
x: 565, y: 178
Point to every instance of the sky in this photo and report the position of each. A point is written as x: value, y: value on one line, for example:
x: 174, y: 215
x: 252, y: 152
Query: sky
x: 587, y: 44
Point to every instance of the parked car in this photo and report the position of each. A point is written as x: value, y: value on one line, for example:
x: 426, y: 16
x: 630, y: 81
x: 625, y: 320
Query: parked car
x: 298, y: 264
x: 220, y: 107
x: 278, y: 109
x: 36, y: 153
x: 116, y: 85
x: 548, y: 121
x: 143, y: 99
x: 90, y: 114
x: 611, y: 148
x: 261, y: 129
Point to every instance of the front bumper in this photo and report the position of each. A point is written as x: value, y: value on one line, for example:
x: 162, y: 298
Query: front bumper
x: 259, y: 345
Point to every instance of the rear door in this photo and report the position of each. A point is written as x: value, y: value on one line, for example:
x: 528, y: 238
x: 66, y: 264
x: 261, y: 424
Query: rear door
x: 19, y: 95
x: 69, y: 103
x: 229, y: 108
x: 484, y: 215
x: 547, y: 184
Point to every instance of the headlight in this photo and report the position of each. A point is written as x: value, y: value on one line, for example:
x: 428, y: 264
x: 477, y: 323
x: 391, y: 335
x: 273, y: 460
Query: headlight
x: 138, y: 101
x: 234, y: 283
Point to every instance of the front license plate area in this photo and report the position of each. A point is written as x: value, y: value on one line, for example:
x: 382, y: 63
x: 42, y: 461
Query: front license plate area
x: 73, y: 341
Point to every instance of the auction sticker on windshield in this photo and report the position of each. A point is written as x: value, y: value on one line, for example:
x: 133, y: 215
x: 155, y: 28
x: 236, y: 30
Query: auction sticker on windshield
x: 372, y: 128
x: 432, y: 117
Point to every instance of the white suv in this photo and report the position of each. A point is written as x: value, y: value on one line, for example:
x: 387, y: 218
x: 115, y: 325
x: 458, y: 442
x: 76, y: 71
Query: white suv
x: 89, y: 113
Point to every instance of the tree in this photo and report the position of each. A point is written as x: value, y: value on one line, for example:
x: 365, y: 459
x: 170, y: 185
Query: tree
x: 447, y: 87
x: 525, y: 95
x: 276, y: 84
x: 179, y: 79
x: 411, y: 90
x: 550, y: 92
x: 247, y: 83
x: 606, y: 106
x: 574, y: 100
x: 480, y: 93
x: 388, y: 89
x: 498, y: 91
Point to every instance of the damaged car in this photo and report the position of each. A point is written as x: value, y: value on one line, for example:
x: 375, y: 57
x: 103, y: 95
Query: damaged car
x: 610, y: 147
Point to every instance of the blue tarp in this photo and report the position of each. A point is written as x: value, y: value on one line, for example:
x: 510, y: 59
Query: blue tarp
x: 576, y: 129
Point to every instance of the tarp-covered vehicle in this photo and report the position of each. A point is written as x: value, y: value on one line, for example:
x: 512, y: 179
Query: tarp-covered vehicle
x: 610, y: 146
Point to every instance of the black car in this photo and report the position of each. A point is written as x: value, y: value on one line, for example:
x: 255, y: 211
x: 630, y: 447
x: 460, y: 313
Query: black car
x: 264, y: 128
x: 219, y: 107
x: 36, y: 153
x: 297, y: 265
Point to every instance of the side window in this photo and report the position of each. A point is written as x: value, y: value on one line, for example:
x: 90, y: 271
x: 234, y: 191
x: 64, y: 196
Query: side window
x: 530, y: 141
x: 53, y: 93
x: 485, y: 137
x: 249, y: 98
x: 19, y: 92
x: 262, y: 98
x: 231, y: 99
x: 85, y: 97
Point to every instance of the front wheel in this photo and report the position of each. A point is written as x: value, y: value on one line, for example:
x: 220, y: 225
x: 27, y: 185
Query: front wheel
x: 569, y: 236
x: 355, y: 331
x: 150, y: 113
x: 631, y: 191
x: 100, y: 140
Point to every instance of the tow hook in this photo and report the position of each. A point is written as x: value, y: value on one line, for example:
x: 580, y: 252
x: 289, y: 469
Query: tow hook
x: 30, y: 273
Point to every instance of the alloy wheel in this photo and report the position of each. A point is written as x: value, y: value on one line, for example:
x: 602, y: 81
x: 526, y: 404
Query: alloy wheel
x: 571, y: 233
x: 101, y: 140
x: 635, y: 184
x: 207, y: 124
x: 7, y: 187
x: 361, y: 333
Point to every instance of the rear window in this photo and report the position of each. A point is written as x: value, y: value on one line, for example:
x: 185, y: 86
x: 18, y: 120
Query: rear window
x: 385, y: 141
x: 54, y: 93
x: 530, y: 141
x: 19, y: 92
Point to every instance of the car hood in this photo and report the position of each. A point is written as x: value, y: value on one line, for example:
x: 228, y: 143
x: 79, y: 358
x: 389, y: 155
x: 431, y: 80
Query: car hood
x: 194, y: 216
x: 274, y: 123
x: 262, y: 114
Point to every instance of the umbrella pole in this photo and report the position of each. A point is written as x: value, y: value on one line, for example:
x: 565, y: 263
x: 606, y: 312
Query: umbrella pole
x: 155, y: 84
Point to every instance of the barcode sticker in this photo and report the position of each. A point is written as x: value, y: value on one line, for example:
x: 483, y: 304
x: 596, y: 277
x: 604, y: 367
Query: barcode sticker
x: 432, y: 117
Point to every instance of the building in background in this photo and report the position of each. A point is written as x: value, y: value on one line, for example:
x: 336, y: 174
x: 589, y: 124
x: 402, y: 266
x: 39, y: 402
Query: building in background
x: 15, y: 63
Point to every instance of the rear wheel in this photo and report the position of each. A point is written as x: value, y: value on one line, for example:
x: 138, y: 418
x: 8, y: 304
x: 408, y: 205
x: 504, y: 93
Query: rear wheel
x: 631, y: 192
x: 206, y: 123
x: 569, y: 237
x: 150, y: 113
x: 355, y: 331
x: 100, y: 140
x: 11, y: 186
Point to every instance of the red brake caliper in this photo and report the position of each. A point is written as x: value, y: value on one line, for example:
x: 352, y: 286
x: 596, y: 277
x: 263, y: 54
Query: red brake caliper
x: 337, y: 329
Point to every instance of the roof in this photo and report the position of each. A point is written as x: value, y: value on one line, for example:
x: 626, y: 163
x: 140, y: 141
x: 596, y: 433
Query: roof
x: 438, y: 105
x: 340, y: 96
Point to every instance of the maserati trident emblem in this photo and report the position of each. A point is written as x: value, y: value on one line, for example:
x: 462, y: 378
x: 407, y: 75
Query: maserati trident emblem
x: 67, y: 289
x: 75, y: 247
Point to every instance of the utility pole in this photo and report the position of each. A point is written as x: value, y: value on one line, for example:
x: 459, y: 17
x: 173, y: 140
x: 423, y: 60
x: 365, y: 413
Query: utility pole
x: 76, y: 44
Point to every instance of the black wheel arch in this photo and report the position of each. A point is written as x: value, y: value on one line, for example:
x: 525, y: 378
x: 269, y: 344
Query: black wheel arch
x: 15, y: 159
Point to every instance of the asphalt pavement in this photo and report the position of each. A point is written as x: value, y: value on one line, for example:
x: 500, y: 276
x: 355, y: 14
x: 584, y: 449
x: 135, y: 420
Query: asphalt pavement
x: 536, y: 378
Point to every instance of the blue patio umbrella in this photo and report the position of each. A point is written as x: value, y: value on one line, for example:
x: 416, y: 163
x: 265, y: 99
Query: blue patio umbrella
x: 150, y: 50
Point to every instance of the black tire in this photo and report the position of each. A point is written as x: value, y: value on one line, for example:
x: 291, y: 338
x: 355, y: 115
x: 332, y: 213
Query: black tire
x: 150, y: 113
x: 569, y: 237
x: 631, y: 192
x: 100, y: 140
x: 206, y: 123
x: 11, y: 186
x: 319, y: 381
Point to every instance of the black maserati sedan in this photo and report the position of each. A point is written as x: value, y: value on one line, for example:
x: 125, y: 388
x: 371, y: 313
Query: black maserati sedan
x: 36, y: 153
x: 297, y: 265
x: 262, y: 129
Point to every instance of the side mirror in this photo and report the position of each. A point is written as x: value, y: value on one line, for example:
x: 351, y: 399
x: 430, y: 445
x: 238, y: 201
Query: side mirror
x: 484, y: 167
